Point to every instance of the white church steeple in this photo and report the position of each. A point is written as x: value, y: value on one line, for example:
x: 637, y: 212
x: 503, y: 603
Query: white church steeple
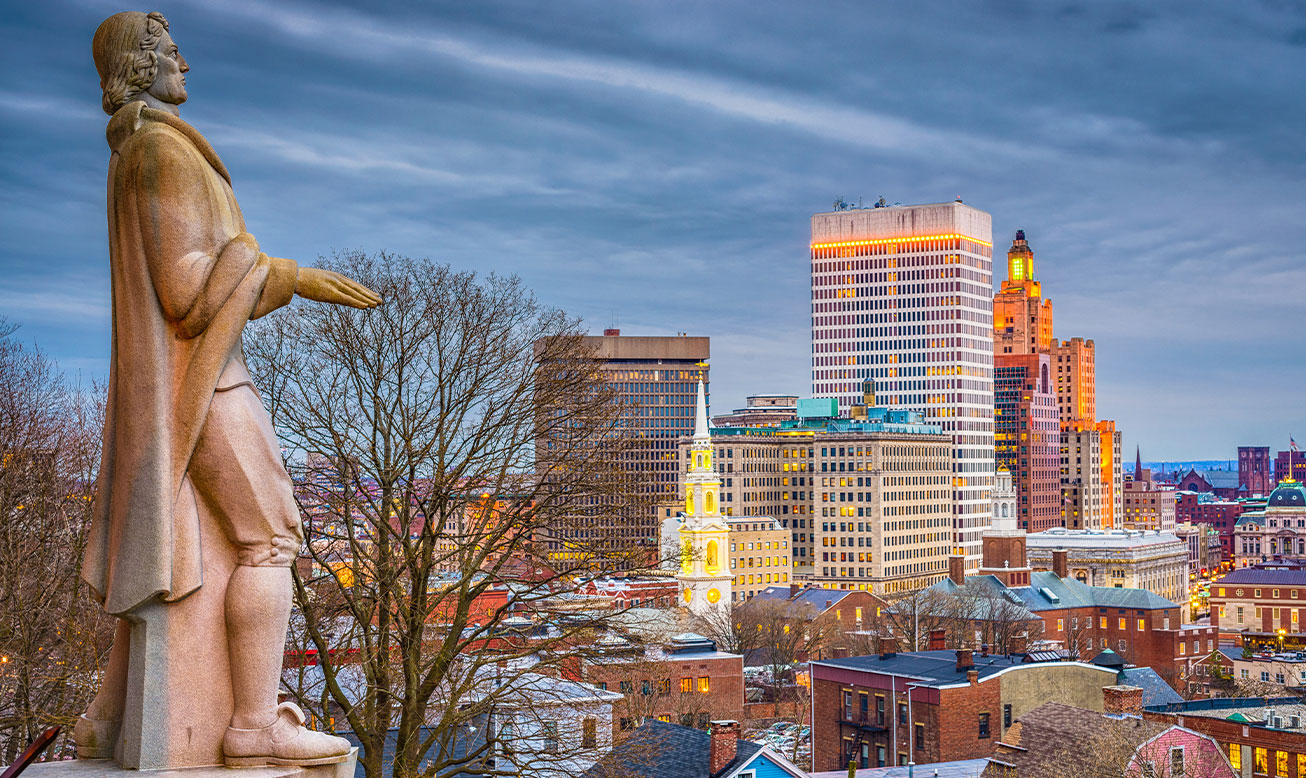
x: 705, y: 575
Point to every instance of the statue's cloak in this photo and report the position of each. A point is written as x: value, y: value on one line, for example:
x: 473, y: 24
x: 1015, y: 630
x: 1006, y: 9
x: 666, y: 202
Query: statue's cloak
x: 185, y: 279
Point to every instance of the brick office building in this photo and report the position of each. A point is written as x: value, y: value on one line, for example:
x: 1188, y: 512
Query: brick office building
x: 686, y: 682
x: 1144, y: 628
x: 935, y: 706
x: 1262, y: 599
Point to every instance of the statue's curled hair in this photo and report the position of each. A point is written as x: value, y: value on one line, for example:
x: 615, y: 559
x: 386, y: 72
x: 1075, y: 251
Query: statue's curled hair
x: 123, y: 49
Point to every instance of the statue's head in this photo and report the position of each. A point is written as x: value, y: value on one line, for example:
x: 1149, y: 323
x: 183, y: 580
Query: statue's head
x: 136, y: 57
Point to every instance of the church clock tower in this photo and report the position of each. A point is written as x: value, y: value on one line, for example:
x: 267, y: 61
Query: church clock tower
x: 705, y: 575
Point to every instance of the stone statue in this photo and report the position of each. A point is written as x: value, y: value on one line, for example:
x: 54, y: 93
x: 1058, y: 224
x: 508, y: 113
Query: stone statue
x: 195, y: 524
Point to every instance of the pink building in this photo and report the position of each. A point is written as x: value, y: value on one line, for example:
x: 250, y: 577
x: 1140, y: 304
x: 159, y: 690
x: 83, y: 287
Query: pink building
x: 1180, y: 751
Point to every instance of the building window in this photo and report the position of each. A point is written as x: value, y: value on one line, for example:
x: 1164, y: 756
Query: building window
x: 589, y: 735
x: 550, y: 737
x: 983, y: 726
x: 1006, y: 716
x: 1142, y: 625
x: 704, y: 685
x: 902, y: 713
x: 1177, y: 762
x: 1260, y: 760
x: 920, y: 736
x: 1236, y: 756
x: 1281, y: 762
x: 686, y: 685
x: 879, y: 709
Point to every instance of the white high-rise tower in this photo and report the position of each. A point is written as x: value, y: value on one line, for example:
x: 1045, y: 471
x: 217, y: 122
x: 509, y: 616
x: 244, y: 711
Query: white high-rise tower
x: 904, y: 295
x: 705, y: 575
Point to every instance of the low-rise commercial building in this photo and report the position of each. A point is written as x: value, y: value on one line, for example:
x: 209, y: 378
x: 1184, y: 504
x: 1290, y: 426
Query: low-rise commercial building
x: 1261, y: 599
x: 1148, y: 504
x: 1204, y: 547
x: 687, y: 681
x: 934, y: 706
x: 1130, y: 559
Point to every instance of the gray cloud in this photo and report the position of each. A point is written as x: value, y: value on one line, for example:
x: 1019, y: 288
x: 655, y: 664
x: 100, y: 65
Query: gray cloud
x: 656, y: 164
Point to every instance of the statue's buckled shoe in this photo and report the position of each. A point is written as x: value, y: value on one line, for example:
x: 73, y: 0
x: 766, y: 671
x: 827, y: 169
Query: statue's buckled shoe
x: 95, y: 738
x: 283, y: 742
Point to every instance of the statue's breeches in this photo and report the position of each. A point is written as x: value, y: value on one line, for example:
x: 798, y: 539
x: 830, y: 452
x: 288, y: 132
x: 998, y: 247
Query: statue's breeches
x: 237, y: 473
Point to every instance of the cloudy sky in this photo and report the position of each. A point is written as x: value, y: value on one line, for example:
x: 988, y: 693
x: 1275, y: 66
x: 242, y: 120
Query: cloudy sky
x: 652, y: 165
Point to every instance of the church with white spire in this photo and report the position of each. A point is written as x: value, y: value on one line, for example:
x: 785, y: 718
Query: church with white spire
x: 705, y: 575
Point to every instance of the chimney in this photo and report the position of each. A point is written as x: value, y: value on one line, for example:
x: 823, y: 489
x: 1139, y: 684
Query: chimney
x: 888, y: 646
x: 611, y: 332
x: 972, y: 676
x: 964, y: 660
x: 1017, y: 644
x: 984, y: 649
x: 1061, y: 563
x: 957, y: 569
x: 721, y: 751
x: 794, y: 589
x: 938, y: 639
x: 1122, y: 700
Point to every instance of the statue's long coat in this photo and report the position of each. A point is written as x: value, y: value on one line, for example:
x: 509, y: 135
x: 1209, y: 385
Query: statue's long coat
x: 186, y: 277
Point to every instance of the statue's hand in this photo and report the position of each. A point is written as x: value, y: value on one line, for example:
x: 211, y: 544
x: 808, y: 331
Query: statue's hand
x: 327, y: 286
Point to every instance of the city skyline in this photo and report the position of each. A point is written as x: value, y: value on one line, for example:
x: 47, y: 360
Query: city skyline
x: 655, y: 170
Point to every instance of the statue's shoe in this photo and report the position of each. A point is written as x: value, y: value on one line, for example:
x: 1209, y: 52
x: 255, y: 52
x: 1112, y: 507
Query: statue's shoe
x: 95, y: 738
x: 283, y: 742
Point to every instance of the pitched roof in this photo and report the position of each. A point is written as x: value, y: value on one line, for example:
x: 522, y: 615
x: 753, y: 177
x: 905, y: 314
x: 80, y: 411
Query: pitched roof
x: 1053, y: 735
x: 811, y: 596
x: 1289, y: 573
x: 1047, y: 591
x: 1220, y: 479
x: 1155, y: 690
x: 658, y: 749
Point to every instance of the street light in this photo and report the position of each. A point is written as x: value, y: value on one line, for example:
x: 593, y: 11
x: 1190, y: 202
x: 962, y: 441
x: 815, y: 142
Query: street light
x: 1281, y: 632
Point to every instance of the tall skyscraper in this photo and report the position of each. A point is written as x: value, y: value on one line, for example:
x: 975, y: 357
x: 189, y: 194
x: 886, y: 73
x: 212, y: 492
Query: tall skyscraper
x: 1022, y: 326
x: 904, y: 295
x: 656, y: 381
x: 1028, y: 436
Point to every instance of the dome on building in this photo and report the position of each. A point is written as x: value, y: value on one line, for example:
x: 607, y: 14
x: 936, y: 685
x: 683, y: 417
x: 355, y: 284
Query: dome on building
x: 1288, y: 494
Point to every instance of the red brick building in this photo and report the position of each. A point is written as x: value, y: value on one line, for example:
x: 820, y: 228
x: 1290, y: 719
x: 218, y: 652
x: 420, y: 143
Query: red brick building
x: 1206, y: 508
x: 687, y: 682
x: 1262, y: 599
x: 1142, y: 627
x: 935, y: 706
x: 1254, y: 469
x: 1296, y: 472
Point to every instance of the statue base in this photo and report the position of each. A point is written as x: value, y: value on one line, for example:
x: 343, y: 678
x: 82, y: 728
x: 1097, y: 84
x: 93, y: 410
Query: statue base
x: 105, y: 768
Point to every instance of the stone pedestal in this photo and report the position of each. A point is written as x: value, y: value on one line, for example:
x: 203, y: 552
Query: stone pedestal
x: 104, y: 768
x: 178, y: 693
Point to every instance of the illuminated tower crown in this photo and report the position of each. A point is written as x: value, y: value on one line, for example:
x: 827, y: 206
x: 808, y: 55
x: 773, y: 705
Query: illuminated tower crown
x: 704, y: 536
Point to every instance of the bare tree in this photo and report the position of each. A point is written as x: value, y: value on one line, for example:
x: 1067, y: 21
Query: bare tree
x: 913, y: 615
x: 52, y: 635
x: 459, y: 458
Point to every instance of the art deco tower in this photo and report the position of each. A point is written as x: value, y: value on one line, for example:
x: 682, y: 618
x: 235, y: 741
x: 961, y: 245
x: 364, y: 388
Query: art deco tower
x: 705, y: 576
